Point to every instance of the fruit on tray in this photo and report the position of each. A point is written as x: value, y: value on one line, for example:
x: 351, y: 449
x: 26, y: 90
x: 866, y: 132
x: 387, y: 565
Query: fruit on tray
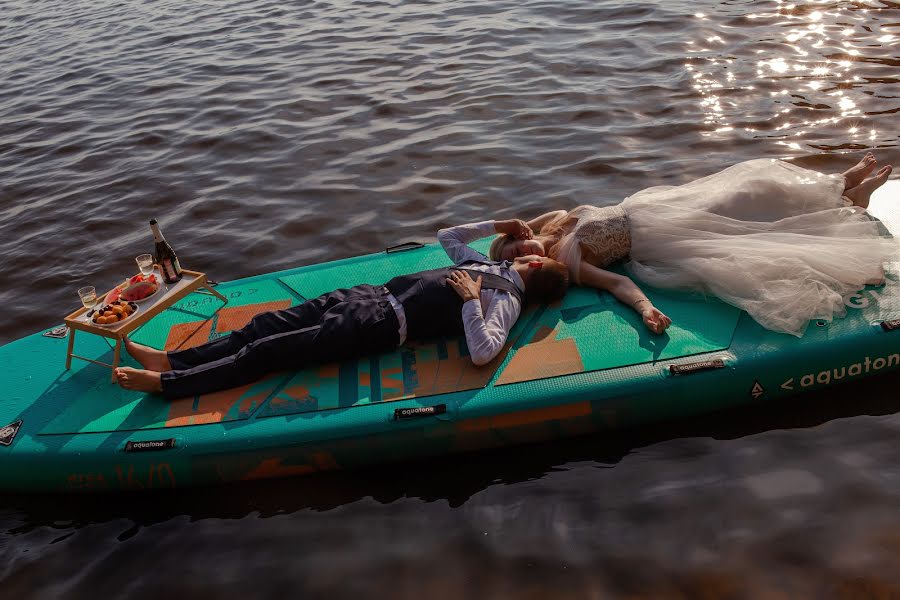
x: 113, y: 312
x: 135, y: 289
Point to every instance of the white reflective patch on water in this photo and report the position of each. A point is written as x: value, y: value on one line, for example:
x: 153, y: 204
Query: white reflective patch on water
x: 777, y: 485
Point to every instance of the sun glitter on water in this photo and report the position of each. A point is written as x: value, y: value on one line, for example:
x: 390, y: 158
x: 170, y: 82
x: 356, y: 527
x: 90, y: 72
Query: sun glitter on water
x: 826, y: 69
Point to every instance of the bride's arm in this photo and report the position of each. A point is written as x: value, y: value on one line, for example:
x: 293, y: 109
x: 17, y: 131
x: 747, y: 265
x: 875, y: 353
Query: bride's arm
x: 538, y: 222
x: 626, y: 292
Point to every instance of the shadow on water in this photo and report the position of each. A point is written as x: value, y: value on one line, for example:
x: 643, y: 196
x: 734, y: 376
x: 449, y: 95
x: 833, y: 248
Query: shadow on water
x: 452, y: 479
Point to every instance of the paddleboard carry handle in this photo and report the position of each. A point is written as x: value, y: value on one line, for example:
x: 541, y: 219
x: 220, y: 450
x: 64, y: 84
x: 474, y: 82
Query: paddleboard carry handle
x: 693, y: 367
x: 890, y: 325
x: 404, y: 247
x: 417, y: 412
x: 149, y: 445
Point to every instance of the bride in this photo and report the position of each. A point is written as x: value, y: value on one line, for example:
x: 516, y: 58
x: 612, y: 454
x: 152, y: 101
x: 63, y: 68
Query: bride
x: 778, y: 241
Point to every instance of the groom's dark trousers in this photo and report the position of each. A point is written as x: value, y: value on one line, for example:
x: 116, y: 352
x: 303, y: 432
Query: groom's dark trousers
x: 333, y: 327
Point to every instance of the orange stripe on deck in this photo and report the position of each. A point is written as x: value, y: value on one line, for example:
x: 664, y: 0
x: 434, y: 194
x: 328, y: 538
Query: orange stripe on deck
x: 194, y: 333
x: 188, y: 335
x: 329, y: 371
x: 297, y: 391
x: 526, y: 417
x: 274, y: 467
x: 545, y: 358
x: 443, y: 375
x: 213, y: 408
x: 238, y: 316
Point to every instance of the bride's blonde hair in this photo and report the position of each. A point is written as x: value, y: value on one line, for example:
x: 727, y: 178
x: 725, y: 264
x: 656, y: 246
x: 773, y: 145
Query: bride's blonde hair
x: 553, y: 228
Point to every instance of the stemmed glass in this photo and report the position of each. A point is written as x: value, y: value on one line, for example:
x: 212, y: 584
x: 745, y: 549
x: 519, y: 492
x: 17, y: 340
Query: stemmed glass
x: 88, y: 296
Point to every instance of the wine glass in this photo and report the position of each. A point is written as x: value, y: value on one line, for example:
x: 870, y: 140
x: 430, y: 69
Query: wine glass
x: 145, y: 263
x: 88, y: 296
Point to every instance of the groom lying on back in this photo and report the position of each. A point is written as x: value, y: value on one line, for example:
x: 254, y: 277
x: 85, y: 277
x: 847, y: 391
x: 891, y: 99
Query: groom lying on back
x: 366, y: 319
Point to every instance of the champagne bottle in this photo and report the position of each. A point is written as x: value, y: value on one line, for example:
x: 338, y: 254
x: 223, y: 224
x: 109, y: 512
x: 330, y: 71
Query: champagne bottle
x: 165, y: 256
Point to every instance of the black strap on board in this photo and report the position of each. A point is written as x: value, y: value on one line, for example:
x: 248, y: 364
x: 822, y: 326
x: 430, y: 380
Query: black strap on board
x: 150, y: 445
x: 890, y: 325
x: 404, y: 247
x: 417, y: 412
x: 703, y: 365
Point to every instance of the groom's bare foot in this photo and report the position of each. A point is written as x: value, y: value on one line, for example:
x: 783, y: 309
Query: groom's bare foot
x: 860, y: 194
x: 139, y: 380
x: 858, y: 172
x: 150, y: 358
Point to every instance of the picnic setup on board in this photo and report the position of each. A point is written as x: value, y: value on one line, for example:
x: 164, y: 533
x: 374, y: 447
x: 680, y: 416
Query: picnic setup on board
x: 581, y: 366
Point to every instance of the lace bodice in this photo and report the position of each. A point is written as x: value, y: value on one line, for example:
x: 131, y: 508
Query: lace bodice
x: 602, y: 235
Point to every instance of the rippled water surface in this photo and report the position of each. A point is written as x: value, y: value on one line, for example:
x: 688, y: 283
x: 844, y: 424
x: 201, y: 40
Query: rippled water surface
x: 266, y: 135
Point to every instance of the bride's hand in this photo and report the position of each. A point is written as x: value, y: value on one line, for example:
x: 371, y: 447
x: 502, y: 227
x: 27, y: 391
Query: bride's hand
x: 516, y: 228
x: 655, y: 320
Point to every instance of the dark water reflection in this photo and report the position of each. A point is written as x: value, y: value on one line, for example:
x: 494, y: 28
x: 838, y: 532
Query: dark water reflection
x: 265, y: 135
x: 736, y: 505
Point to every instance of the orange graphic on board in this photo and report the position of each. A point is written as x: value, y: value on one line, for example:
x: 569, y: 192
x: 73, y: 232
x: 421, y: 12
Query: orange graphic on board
x: 188, y: 335
x: 213, y: 408
x: 275, y: 467
x: 444, y: 375
x: 238, y: 316
x: 545, y: 356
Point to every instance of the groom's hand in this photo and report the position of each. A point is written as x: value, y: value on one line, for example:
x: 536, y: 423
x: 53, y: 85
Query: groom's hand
x: 465, y: 286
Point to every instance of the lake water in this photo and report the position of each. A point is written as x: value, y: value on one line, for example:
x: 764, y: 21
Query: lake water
x: 266, y: 135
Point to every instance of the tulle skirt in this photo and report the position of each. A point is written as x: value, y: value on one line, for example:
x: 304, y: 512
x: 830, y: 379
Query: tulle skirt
x: 767, y: 236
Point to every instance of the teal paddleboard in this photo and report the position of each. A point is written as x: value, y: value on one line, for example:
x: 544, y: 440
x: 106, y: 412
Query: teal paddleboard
x: 575, y: 368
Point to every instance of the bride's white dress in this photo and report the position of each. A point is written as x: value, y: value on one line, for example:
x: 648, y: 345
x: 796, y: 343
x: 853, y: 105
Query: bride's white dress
x: 772, y: 238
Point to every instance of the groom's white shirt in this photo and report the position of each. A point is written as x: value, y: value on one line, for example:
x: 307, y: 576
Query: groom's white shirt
x: 486, y: 323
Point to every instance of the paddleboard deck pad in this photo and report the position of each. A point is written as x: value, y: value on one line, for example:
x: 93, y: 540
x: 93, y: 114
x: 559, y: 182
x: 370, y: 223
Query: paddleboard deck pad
x: 584, y: 365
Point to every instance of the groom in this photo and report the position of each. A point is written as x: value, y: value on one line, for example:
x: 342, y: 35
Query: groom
x: 478, y: 297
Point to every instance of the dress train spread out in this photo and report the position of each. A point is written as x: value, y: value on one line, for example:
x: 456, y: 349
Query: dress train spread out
x: 774, y: 239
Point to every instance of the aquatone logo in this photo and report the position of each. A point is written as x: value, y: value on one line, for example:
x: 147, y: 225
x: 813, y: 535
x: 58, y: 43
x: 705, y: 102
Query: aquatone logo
x: 828, y: 376
x: 864, y: 298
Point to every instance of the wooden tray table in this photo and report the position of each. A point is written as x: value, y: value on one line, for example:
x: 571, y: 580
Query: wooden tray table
x: 191, y: 281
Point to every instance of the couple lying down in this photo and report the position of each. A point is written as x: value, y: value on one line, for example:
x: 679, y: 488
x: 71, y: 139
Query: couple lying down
x: 778, y: 241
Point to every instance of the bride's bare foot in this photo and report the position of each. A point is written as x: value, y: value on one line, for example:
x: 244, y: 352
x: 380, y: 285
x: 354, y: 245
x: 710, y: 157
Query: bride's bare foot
x: 858, y: 172
x: 139, y: 380
x: 877, y: 280
x: 860, y: 194
x: 150, y: 358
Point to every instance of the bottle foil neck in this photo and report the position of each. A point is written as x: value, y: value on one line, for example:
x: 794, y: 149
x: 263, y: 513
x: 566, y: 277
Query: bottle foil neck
x: 157, y: 234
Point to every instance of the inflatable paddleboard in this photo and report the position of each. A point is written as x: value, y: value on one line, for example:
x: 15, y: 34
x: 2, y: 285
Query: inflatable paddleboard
x: 582, y: 366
